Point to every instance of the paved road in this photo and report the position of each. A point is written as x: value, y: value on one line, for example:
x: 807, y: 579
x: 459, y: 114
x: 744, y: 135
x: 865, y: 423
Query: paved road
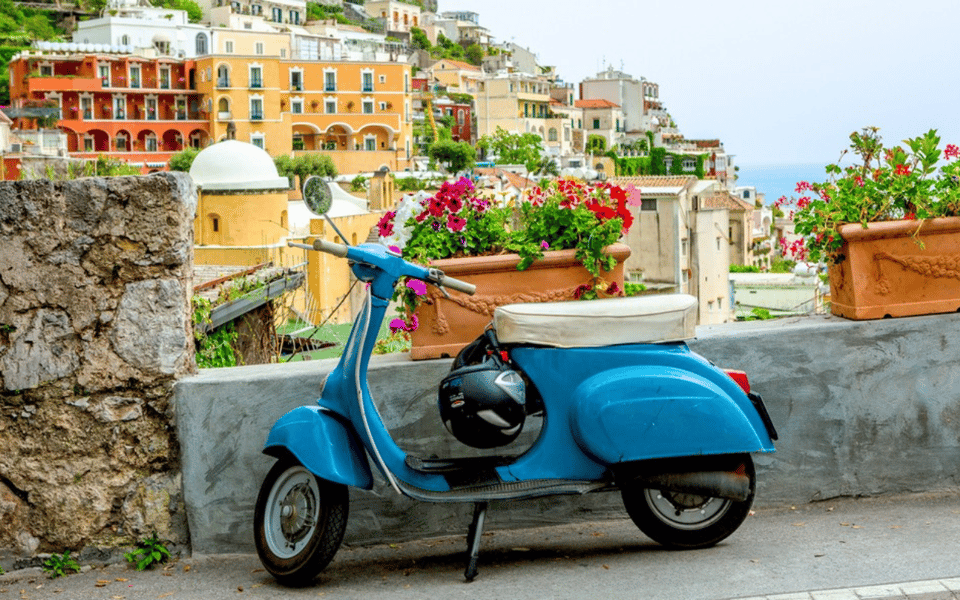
x: 904, y: 547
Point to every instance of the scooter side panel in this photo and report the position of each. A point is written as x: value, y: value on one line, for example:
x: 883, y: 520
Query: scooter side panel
x: 644, y: 411
x: 322, y: 444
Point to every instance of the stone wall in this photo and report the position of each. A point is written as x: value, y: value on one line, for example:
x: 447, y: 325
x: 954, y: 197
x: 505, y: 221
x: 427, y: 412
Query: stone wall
x: 95, y: 328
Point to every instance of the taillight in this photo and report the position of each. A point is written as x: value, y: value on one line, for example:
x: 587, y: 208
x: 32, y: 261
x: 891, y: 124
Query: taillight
x: 741, y: 378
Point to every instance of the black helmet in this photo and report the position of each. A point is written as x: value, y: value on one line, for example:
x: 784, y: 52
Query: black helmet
x: 482, y: 405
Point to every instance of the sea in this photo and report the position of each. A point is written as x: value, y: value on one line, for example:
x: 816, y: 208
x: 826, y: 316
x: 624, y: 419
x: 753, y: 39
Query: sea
x: 779, y: 180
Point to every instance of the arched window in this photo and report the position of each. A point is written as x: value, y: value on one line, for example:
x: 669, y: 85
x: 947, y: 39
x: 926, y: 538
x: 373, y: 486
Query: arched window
x: 216, y: 227
x: 223, y: 76
x: 223, y: 105
x: 201, y: 44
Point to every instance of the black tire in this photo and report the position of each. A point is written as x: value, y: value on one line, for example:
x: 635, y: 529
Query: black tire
x: 299, y: 522
x: 687, y: 521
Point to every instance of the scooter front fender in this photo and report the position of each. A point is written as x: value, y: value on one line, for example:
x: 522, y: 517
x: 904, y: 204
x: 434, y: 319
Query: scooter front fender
x: 323, y: 443
x: 646, y: 412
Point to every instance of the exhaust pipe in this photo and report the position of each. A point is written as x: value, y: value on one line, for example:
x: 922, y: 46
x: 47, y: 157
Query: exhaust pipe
x: 721, y: 484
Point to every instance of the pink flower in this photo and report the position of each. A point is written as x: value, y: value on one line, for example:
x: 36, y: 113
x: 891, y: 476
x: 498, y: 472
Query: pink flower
x: 803, y: 202
x: 385, y: 224
x: 397, y: 325
x: 455, y: 223
x: 803, y: 186
x: 417, y: 286
x: 545, y: 245
x: 858, y: 180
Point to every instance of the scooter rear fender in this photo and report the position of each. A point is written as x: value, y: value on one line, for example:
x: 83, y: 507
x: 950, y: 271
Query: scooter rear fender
x: 644, y: 412
x: 323, y: 443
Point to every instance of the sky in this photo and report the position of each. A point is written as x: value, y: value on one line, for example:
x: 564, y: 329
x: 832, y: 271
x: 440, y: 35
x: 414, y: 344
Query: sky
x: 778, y: 82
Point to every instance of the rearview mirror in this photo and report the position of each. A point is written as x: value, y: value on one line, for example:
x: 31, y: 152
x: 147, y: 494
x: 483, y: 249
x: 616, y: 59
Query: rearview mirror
x: 317, y: 195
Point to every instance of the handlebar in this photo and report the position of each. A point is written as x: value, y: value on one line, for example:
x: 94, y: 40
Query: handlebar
x: 434, y: 276
x: 438, y: 278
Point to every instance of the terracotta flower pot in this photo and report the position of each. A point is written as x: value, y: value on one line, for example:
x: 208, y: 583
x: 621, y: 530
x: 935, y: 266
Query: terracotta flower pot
x: 892, y: 269
x: 447, y: 325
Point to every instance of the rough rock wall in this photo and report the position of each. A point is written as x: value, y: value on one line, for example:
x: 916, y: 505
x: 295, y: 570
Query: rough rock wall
x: 95, y: 329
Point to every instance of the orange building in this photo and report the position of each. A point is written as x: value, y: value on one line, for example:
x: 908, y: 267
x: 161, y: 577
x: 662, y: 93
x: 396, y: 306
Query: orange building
x: 133, y: 108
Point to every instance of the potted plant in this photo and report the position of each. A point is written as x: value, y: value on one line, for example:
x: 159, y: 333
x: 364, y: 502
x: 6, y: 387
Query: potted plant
x: 887, y: 227
x: 559, y: 242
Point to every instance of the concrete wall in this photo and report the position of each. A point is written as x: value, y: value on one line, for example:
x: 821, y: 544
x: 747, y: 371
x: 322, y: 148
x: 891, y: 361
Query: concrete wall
x: 862, y: 409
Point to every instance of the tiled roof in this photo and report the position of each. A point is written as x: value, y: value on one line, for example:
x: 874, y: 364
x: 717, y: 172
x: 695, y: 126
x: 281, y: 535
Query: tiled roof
x: 726, y: 201
x: 595, y: 104
x: 463, y: 66
x: 518, y: 181
x: 654, y: 181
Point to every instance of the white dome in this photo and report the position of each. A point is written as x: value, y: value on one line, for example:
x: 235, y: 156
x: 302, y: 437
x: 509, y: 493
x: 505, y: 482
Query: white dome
x: 233, y: 165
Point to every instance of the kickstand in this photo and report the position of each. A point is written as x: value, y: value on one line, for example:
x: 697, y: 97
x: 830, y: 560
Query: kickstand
x: 473, y: 540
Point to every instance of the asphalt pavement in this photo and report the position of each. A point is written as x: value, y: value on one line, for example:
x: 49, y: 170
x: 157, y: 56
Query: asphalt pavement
x: 844, y: 549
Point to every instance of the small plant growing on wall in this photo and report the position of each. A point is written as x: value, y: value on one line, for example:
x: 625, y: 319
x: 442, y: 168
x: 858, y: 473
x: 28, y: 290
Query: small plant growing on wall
x: 149, y: 552
x: 59, y: 565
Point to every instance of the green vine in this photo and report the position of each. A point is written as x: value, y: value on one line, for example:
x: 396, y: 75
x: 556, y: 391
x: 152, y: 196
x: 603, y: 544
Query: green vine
x: 214, y: 348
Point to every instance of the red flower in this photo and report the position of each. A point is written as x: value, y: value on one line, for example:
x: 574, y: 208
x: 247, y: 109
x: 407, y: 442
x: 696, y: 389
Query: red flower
x: 455, y: 223
x: 385, y: 224
x: 858, y: 180
x: 902, y: 170
x: 951, y: 151
x: 803, y: 202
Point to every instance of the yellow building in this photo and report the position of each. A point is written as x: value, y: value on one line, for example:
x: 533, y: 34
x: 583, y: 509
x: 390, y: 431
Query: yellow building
x: 355, y: 112
x: 242, y: 217
x: 517, y: 102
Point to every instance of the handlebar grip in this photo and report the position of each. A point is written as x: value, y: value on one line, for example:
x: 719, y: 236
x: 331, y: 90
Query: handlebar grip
x: 460, y: 286
x: 330, y: 248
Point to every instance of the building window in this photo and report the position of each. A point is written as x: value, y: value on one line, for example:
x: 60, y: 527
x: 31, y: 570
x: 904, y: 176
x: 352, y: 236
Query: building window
x: 228, y: 46
x: 368, y: 107
x: 596, y: 123
x: 88, y: 144
x: 367, y: 83
x: 256, y: 109
x: 295, y: 17
x: 104, y: 71
x: 383, y: 79
x: 298, y: 142
x: 552, y: 134
x: 215, y: 223
x: 165, y: 78
x: 296, y: 106
x: 296, y: 81
x: 383, y: 106
x: 256, y: 77
x: 648, y: 204
x: 201, y: 44
x: 276, y: 15
x: 151, y: 143
x: 86, y: 105
x: 689, y: 164
x: 223, y: 76
x: 135, y: 76
x: 370, y: 144
x: 257, y: 140
x: 258, y: 48
x: 330, y: 107
x: 121, y: 143
x: 330, y: 81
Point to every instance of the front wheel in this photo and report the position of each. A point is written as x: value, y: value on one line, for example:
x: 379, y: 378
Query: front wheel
x: 688, y: 521
x: 299, y: 522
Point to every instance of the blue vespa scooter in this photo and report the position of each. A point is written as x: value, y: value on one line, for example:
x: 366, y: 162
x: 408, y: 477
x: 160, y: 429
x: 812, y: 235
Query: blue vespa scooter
x: 625, y: 405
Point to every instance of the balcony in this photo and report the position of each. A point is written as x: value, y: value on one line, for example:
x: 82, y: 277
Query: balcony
x: 64, y: 84
x: 256, y: 116
x: 223, y: 83
x: 256, y: 84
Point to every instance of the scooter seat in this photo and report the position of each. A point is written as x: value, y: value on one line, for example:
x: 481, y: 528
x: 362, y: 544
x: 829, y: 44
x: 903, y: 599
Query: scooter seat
x: 634, y: 320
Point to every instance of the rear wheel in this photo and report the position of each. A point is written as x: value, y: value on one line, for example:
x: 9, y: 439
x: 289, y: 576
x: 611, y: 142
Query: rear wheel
x: 682, y: 520
x: 299, y: 522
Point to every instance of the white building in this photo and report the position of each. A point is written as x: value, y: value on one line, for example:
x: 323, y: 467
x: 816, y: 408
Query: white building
x: 137, y: 25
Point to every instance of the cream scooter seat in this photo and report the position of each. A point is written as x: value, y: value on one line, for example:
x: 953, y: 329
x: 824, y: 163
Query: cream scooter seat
x: 635, y: 320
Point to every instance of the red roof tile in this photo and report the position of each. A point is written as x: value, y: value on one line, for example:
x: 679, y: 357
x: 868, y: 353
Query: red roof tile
x: 599, y: 103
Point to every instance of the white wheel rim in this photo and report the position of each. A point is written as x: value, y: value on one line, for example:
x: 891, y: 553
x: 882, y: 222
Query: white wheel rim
x: 292, y: 512
x: 686, y: 511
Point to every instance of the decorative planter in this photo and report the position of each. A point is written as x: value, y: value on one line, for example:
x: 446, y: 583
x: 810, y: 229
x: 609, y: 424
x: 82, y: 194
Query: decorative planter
x: 897, y: 269
x: 447, y: 325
